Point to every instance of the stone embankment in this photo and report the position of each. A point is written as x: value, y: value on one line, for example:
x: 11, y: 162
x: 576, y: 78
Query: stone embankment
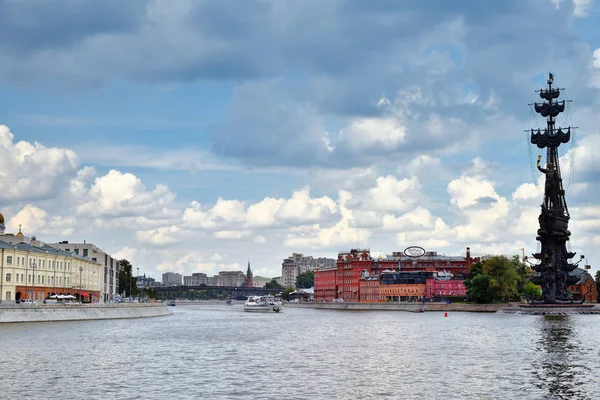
x: 16, y: 313
x: 410, y: 307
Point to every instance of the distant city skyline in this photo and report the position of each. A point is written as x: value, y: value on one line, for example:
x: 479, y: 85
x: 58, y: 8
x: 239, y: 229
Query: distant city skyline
x: 192, y: 136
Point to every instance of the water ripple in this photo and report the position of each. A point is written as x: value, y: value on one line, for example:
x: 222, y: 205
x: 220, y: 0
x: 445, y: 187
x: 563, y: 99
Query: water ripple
x: 219, y: 352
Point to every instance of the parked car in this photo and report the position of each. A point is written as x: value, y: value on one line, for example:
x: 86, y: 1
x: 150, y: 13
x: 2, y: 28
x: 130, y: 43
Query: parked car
x: 28, y: 301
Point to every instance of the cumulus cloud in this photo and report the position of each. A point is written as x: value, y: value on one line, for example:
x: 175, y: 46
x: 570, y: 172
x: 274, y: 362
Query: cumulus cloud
x: 32, y: 171
x: 160, y: 236
x: 34, y: 221
x: 225, y: 213
x: 118, y: 194
x: 386, y: 133
x: 341, y: 233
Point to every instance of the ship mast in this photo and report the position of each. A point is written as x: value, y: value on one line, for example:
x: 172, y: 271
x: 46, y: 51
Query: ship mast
x: 552, y: 273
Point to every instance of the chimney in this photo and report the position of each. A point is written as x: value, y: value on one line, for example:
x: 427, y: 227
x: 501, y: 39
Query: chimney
x: 468, y: 259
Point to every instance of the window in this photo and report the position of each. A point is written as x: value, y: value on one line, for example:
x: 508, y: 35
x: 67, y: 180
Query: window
x: 29, y: 278
x: 8, y: 277
x: 94, y: 259
x: 68, y: 250
x: 85, y: 252
x: 76, y: 251
x: 8, y: 296
x: 9, y: 260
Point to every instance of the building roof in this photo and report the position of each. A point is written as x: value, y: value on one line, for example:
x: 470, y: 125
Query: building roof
x: 5, y: 245
x: 582, y: 275
x: 45, y: 249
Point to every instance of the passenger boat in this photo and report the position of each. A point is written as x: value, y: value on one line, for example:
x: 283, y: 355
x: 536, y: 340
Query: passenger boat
x: 171, y: 303
x: 263, y: 304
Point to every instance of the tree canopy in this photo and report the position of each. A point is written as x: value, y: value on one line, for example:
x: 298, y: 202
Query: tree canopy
x: 273, y: 285
x: 499, y: 278
x: 286, y: 293
x: 127, y: 282
x: 305, y: 280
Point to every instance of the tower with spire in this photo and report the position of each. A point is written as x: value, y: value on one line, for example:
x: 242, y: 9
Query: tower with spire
x: 248, y: 282
x: 552, y: 271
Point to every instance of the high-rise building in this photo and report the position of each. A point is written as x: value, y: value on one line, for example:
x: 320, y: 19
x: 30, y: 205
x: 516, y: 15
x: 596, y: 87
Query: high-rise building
x: 172, y: 279
x: 298, y: 263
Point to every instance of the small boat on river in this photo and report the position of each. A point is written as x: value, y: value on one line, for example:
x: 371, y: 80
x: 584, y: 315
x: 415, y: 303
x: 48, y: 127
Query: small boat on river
x: 263, y: 304
x: 171, y: 303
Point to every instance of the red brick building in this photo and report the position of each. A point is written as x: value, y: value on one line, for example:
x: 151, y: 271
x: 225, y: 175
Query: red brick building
x: 349, y: 267
x: 325, y: 284
x: 584, y: 286
x: 344, y: 281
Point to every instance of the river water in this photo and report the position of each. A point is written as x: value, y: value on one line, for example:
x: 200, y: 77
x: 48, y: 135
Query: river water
x: 220, y: 352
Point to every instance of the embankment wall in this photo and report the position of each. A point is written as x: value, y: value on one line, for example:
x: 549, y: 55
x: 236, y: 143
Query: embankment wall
x: 410, y: 307
x: 79, y: 312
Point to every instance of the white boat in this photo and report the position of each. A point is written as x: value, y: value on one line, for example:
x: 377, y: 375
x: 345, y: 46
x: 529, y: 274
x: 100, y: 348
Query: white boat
x: 263, y: 304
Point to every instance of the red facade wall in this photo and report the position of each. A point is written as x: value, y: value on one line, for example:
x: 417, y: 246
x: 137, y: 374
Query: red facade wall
x: 344, y: 282
x: 325, y: 285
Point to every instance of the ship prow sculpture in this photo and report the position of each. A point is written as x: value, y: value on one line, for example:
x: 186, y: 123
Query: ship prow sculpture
x: 552, y: 271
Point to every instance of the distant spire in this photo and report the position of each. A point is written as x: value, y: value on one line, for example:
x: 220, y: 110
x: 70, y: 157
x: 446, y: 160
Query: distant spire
x: 248, y: 282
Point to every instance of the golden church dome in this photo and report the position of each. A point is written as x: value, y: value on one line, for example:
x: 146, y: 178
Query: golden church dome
x: 20, y: 233
x: 1, y: 218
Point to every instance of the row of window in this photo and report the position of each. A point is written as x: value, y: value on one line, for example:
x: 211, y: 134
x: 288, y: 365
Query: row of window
x: 41, y: 263
x: 41, y: 279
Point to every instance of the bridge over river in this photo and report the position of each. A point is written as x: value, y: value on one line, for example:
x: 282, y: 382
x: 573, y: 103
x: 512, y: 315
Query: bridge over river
x: 195, y: 292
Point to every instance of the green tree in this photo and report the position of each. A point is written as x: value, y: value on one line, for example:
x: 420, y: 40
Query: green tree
x: 127, y: 282
x: 504, y: 277
x: 286, y: 293
x: 273, y: 285
x: 531, y: 290
x: 480, y: 290
x: 496, y: 278
x: 305, y: 280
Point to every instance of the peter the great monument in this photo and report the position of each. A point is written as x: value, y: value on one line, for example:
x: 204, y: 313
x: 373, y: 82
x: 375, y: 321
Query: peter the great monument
x: 552, y: 271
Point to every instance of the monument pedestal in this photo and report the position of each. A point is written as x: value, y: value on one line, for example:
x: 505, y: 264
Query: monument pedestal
x: 553, y: 309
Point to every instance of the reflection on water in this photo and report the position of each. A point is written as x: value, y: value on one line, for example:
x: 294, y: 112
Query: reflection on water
x: 220, y: 352
x: 559, y: 370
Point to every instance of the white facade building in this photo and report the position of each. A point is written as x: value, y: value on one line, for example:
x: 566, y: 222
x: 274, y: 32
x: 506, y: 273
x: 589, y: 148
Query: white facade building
x: 109, y: 276
x: 34, y: 273
x: 231, y: 278
x: 172, y: 279
x: 197, y: 279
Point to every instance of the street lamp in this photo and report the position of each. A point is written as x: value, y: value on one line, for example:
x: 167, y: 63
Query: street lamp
x: 33, y: 280
x: 136, y: 279
x: 54, y: 268
x: 80, y: 272
x: 26, y: 274
x: 130, y: 273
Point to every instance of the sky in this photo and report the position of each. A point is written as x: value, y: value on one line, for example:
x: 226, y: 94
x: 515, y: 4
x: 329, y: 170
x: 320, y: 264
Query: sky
x: 193, y: 136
